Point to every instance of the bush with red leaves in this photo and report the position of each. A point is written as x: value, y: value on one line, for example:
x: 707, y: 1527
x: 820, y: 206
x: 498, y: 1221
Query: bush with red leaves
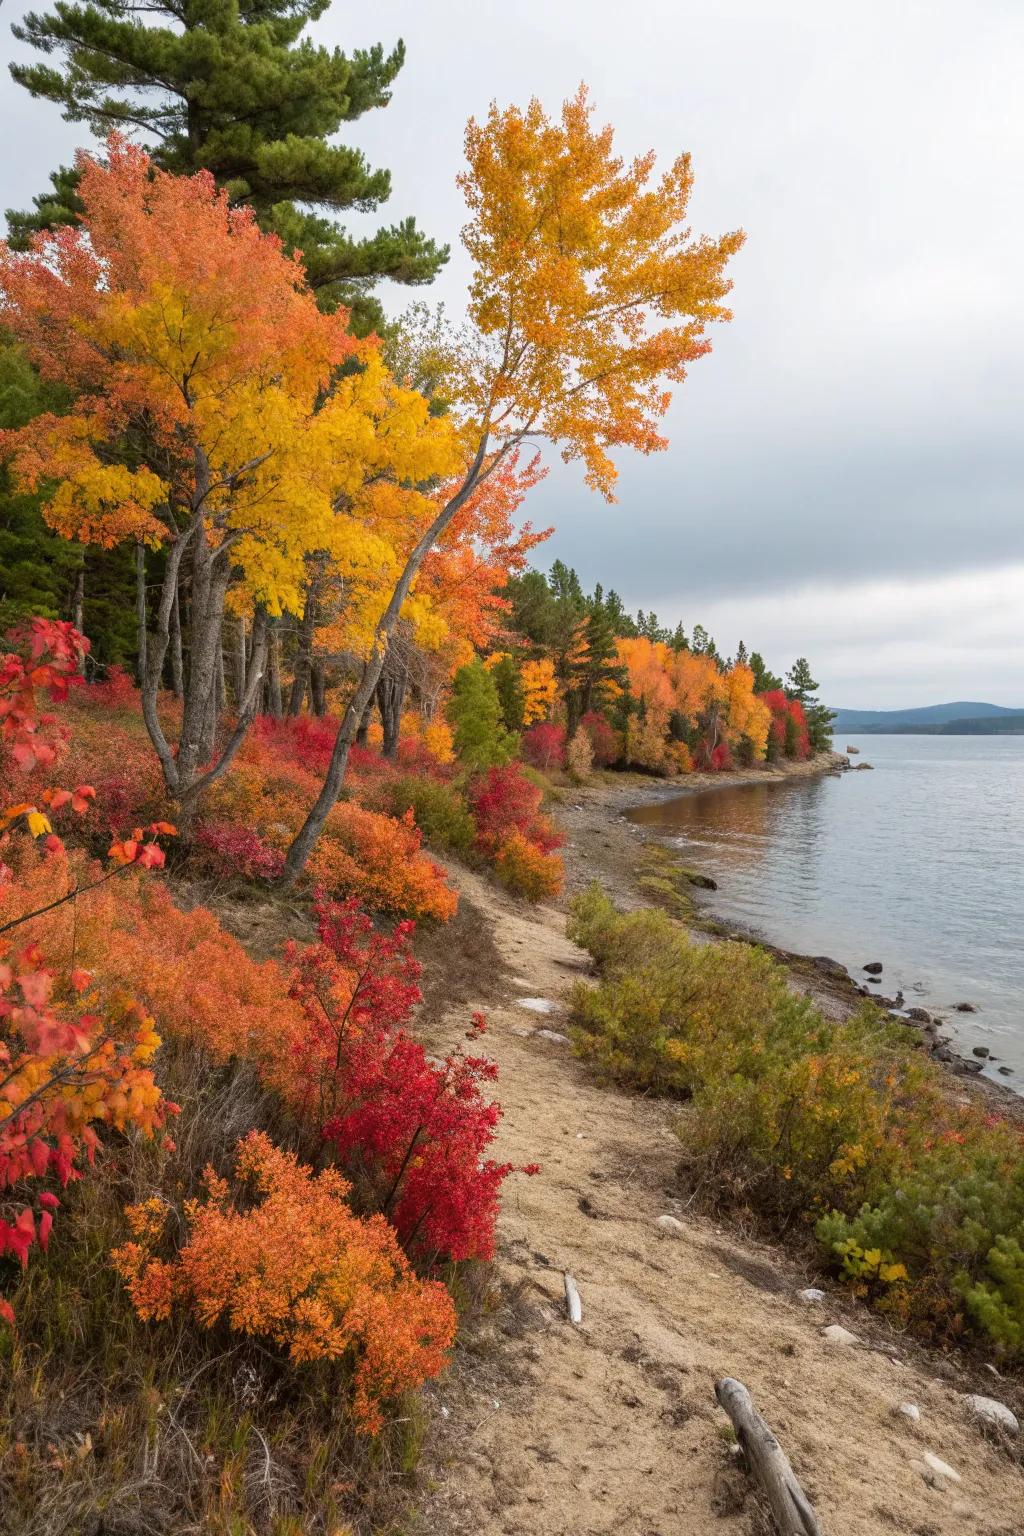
x: 543, y: 745
x: 503, y: 801
x: 223, y: 849
x: 788, y: 734
x: 603, y: 740
x: 713, y: 759
x: 413, y: 1132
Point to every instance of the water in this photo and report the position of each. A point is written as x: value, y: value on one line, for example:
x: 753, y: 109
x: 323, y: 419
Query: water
x: 919, y: 864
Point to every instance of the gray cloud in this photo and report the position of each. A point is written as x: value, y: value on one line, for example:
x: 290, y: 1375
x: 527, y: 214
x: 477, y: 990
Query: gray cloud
x: 860, y: 419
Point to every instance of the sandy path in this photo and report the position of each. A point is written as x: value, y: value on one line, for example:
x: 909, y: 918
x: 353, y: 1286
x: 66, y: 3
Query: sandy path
x: 612, y: 1428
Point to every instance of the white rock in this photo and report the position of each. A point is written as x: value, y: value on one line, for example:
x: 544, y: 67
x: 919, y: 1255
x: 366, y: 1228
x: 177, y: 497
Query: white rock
x: 837, y: 1334
x: 523, y: 1030
x: 538, y: 1004
x: 670, y: 1226
x: 910, y: 1411
x: 992, y: 1412
x: 552, y: 1035
x: 940, y: 1468
x: 811, y: 1294
x: 573, y: 1304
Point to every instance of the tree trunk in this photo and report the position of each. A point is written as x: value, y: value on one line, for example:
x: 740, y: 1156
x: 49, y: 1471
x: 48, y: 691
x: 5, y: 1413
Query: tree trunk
x: 203, y: 686
x: 78, y: 599
x: 363, y: 733
x: 318, y: 689
x: 177, y: 659
x: 304, y: 654
x: 240, y: 662
x: 301, y: 847
x: 140, y: 611
x: 274, y: 673
x: 391, y: 700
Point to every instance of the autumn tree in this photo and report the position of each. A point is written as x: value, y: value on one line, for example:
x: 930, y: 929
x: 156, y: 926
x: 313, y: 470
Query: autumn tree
x: 588, y: 297
x: 233, y: 88
x: 212, y: 417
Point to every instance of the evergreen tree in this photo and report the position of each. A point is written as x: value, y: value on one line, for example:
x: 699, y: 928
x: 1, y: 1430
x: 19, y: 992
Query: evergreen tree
x: 742, y: 655
x: 621, y: 622
x: 802, y: 686
x: 474, y: 710
x: 765, y: 681
x: 38, y: 570
x: 510, y: 693
x: 799, y: 682
x: 230, y: 86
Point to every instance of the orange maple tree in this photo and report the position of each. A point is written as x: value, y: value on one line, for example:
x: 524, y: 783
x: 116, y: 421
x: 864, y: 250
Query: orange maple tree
x: 588, y: 298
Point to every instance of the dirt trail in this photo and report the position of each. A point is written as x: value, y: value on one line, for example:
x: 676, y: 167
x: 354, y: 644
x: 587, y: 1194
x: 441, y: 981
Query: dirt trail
x: 545, y: 1429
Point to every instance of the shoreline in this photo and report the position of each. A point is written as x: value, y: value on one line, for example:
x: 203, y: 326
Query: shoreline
x: 641, y: 868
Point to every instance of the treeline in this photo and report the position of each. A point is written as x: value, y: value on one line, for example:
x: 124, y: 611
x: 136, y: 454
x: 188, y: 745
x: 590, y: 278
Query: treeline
x: 583, y: 681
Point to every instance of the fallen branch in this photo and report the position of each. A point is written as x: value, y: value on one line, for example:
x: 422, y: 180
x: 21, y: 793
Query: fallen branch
x: 767, y: 1461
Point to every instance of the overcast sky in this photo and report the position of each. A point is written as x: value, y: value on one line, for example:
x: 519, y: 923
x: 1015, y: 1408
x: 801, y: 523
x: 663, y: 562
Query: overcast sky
x: 845, y: 471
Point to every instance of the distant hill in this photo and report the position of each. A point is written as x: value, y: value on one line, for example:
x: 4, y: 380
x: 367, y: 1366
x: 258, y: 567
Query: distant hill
x: 931, y: 717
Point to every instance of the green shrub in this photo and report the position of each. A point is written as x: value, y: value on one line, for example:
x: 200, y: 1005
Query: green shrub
x: 438, y: 809
x: 916, y: 1197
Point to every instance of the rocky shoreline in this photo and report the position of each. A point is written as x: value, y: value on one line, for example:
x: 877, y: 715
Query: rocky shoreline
x: 604, y: 845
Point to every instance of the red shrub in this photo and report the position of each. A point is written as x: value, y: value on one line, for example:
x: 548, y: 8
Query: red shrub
x: 543, y: 745
x: 116, y: 691
x: 788, y: 734
x: 504, y: 801
x: 223, y: 849
x: 713, y: 759
x: 603, y: 739
x: 415, y: 1130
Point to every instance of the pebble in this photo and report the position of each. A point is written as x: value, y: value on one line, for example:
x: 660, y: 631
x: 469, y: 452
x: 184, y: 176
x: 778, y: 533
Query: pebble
x: 811, y: 1294
x: 670, y: 1226
x: 910, y: 1411
x: 552, y: 1035
x: 940, y: 1468
x: 837, y: 1334
x: 990, y: 1411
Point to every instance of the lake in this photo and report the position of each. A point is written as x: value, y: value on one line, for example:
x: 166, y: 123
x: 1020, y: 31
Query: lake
x: 918, y: 864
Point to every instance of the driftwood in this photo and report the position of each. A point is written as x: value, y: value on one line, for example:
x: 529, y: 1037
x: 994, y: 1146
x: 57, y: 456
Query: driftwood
x: 572, y: 1302
x: 767, y: 1462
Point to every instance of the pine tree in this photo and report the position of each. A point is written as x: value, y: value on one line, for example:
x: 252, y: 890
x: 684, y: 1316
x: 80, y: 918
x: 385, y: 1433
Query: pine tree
x: 37, y: 568
x: 230, y: 86
x: 765, y: 681
x: 801, y: 685
x: 799, y: 682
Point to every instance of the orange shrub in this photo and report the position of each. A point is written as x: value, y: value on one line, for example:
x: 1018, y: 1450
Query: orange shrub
x: 299, y: 1269
x: 362, y: 853
x: 193, y: 977
x: 378, y: 859
x: 526, y: 870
